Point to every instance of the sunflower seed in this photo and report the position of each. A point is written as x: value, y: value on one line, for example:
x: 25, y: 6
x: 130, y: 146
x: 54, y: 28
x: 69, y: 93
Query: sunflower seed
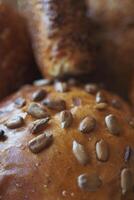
x: 101, y: 106
x: 89, y: 182
x: 42, y: 82
x: 112, y: 124
x: 20, y: 102
x: 15, y: 122
x: 127, y: 153
x: 66, y: 118
x: 126, y: 180
x: 87, y: 125
x: 61, y: 87
x: 100, y: 97
x: 39, y: 95
x: 37, y: 111
x: 40, y: 143
x: 102, y: 151
x: 57, y: 105
x: 91, y: 88
x: 39, y: 125
x: 80, y: 153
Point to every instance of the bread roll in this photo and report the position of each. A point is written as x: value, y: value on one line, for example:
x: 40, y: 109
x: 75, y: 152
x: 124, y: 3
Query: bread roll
x: 114, y: 37
x: 60, y: 35
x: 131, y: 92
x: 16, y: 58
x: 10, y: 2
x: 66, y: 142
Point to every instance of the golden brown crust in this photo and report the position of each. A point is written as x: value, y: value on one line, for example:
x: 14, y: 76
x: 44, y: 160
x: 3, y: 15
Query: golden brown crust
x: 61, y: 37
x: 16, y: 59
x: 53, y: 173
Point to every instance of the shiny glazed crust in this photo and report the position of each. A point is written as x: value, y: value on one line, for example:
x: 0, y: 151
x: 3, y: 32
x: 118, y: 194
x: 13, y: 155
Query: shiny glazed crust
x: 53, y: 173
x: 16, y: 59
x: 60, y: 35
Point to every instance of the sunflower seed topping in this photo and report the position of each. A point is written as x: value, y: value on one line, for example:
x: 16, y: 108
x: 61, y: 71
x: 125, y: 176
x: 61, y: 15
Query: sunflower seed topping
x: 61, y: 87
x: 112, y: 124
x: 87, y: 125
x: 66, y: 118
x: 89, y: 182
x: 102, y: 151
x: 100, y: 97
x: 40, y: 143
x: 127, y: 153
x: 80, y: 153
x: 15, y: 122
x: 42, y: 82
x: 39, y: 125
x: 39, y: 95
x: 37, y: 111
x: 20, y: 102
x: 101, y: 106
x: 57, y: 105
x: 126, y: 180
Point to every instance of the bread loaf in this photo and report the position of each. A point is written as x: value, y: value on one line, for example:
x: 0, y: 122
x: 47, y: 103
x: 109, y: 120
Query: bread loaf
x: 60, y: 35
x: 16, y: 59
x: 114, y: 38
x: 62, y: 141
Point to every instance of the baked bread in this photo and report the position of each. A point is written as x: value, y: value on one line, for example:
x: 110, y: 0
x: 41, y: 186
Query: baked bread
x: 114, y: 38
x: 16, y: 59
x: 66, y: 142
x: 10, y: 2
x: 60, y: 36
x: 132, y: 93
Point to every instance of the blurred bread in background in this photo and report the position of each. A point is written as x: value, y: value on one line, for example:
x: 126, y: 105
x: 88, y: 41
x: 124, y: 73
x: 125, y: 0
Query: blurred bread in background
x: 132, y: 93
x: 16, y: 59
x: 114, y: 39
x: 10, y: 2
x: 60, y: 36
x: 73, y: 38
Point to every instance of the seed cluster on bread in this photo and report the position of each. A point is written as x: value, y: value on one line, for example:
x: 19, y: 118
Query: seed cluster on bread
x: 64, y: 141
